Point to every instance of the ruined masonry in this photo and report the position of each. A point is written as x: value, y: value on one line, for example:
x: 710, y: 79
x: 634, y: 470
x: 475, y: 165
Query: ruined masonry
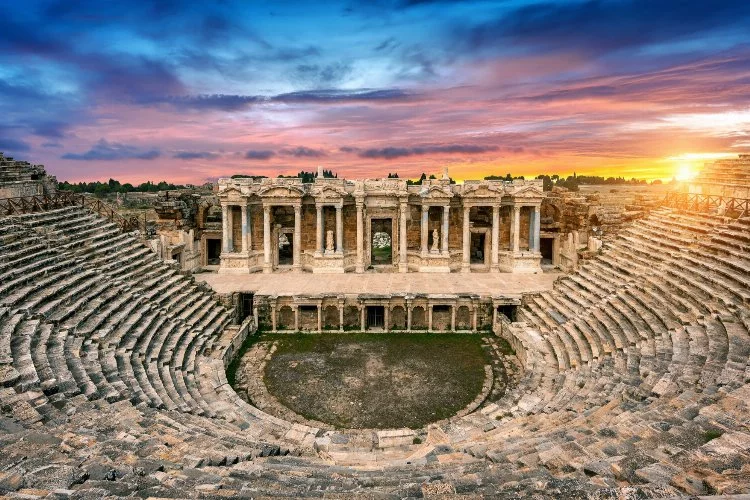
x: 337, y: 225
x: 635, y: 378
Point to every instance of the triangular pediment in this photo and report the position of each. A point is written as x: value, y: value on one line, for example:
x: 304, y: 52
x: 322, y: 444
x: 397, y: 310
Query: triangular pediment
x: 229, y: 190
x: 483, y: 191
x: 328, y: 192
x: 281, y: 192
x: 436, y: 192
x: 531, y: 191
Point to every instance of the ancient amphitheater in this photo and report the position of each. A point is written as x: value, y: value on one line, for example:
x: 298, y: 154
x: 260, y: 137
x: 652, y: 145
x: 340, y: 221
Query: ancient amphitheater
x: 634, y: 378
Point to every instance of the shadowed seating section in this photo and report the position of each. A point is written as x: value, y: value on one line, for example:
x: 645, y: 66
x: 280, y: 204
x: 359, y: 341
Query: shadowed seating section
x: 636, y: 371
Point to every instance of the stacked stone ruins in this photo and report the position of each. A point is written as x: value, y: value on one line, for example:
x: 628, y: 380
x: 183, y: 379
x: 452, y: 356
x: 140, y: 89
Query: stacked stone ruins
x: 21, y: 179
x: 634, y: 369
x: 336, y: 225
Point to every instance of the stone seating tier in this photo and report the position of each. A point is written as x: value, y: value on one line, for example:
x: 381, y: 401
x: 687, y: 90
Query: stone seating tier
x: 636, y: 375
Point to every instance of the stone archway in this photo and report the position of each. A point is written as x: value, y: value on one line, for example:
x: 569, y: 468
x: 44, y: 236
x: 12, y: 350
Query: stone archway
x: 286, y: 318
x: 463, y: 318
x: 418, y: 318
x: 351, y: 317
x: 331, y: 318
x: 398, y: 318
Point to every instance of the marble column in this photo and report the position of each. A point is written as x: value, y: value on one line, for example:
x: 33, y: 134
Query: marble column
x: 244, y: 228
x: 403, y: 265
x: 225, y: 229
x: 453, y: 318
x: 408, y: 317
x: 267, y: 267
x: 444, y: 232
x: 319, y: 229
x: 320, y: 317
x: 296, y: 263
x: 273, y: 317
x: 362, y: 324
x: 339, y: 230
x: 341, y: 316
x: 429, y: 317
x: 424, y: 228
x: 360, y: 266
x: 515, y: 228
x: 386, y: 317
x: 466, y: 263
x: 474, y: 319
x: 296, y: 318
x: 536, y: 228
x: 495, y: 237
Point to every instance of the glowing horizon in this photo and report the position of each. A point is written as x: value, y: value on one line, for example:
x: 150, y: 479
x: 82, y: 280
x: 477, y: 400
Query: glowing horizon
x: 156, y: 91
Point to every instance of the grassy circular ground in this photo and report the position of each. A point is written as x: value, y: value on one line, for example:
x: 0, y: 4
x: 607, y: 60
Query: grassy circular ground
x: 366, y: 380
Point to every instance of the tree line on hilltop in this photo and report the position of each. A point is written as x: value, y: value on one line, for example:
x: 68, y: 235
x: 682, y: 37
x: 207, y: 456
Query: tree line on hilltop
x: 113, y: 186
x: 572, y: 182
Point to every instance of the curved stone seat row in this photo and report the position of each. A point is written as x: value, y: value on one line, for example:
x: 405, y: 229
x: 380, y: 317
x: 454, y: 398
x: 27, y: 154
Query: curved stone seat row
x: 635, y: 374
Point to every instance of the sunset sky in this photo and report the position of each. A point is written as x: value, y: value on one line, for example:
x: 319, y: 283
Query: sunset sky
x: 157, y: 90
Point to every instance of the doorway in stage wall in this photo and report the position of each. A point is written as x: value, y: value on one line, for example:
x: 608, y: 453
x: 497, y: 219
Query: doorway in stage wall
x: 213, y: 252
x: 478, y: 249
x: 546, y: 246
x: 381, y: 248
x: 286, y: 249
x: 375, y: 317
x: 245, y: 305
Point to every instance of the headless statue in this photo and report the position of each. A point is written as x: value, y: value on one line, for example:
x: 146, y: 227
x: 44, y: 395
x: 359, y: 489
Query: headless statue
x: 329, y: 241
x: 435, y: 240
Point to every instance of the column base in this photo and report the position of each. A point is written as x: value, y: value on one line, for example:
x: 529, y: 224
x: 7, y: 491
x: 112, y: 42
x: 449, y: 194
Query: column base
x: 465, y: 268
x: 359, y: 268
x: 403, y: 267
x: 267, y: 268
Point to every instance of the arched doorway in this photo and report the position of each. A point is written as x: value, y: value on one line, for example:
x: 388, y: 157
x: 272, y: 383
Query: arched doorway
x: 381, y: 242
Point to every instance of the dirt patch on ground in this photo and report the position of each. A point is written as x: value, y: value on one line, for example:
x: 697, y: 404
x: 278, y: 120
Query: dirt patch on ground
x: 357, y: 380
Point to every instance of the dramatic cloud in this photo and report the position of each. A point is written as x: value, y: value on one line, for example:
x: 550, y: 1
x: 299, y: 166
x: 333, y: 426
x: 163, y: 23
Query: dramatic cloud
x: 263, y: 154
x: 237, y: 102
x: 390, y: 153
x: 600, y: 26
x: 303, y: 152
x: 528, y: 86
x: 55, y: 130
x: 13, y: 145
x: 108, y: 151
x: 195, y: 155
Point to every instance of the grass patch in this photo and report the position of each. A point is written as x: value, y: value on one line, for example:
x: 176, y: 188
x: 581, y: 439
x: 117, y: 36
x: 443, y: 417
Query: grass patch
x: 365, y: 380
x: 711, y: 434
x: 381, y: 255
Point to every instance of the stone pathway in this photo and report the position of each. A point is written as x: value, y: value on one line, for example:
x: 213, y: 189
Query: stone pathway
x: 483, y: 284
